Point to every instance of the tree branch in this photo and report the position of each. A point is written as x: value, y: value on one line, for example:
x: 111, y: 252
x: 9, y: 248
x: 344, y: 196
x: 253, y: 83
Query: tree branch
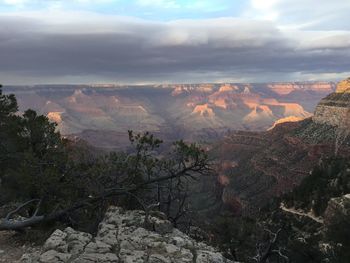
x: 11, y: 213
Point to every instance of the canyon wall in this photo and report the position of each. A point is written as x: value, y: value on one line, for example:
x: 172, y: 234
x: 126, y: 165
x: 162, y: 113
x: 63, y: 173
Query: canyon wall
x: 335, y: 108
x: 197, y: 112
x: 271, y: 163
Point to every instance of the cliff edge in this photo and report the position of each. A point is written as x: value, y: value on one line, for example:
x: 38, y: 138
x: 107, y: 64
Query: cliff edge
x: 343, y: 86
x: 334, y: 110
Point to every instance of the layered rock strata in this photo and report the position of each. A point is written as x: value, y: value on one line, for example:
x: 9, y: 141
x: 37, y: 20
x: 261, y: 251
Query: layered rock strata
x: 334, y: 110
x: 269, y: 164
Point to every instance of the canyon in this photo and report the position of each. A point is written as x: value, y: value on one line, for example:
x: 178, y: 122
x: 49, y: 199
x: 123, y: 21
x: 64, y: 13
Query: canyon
x: 102, y: 114
x: 271, y: 163
x: 263, y: 137
x: 274, y: 150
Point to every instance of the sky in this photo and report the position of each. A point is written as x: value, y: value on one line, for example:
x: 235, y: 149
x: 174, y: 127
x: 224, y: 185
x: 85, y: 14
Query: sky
x: 173, y: 41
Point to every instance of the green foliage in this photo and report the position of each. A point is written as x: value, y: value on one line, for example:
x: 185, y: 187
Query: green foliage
x: 330, y: 179
x: 8, y: 106
x: 37, y: 163
x: 302, y: 239
x: 338, y: 233
x: 32, y: 156
x: 143, y: 162
x: 235, y: 235
x: 306, y: 240
x: 9, y: 128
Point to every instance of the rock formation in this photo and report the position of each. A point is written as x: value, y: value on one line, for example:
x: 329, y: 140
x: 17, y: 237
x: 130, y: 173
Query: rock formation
x: 287, y: 119
x: 337, y: 209
x: 274, y: 162
x: 190, y: 112
x: 343, y: 86
x: 203, y: 110
x: 334, y: 110
x: 55, y: 117
x: 122, y: 237
x: 287, y: 88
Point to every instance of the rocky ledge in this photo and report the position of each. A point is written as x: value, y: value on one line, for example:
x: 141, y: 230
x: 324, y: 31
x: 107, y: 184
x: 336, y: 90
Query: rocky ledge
x: 343, y: 86
x: 122, y: 237
x: 334, y: 110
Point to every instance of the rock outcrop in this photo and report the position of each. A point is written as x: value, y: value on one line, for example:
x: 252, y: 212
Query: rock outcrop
x: 343, y: 86
x: 203, y: 110
x: 334, y: 110
x: 337, y: 209
x: 122, y: 237
x: 287, y: 119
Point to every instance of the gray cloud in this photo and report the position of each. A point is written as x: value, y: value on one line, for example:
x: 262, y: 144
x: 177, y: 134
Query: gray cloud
x: 91, y: 48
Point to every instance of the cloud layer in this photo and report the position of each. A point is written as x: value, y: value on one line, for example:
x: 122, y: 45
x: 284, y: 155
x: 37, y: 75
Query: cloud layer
x: 71, y: 46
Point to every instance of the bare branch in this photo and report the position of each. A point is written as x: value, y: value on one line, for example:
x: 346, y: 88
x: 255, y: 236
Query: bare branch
x: 264, y: 254
x: 198, y: 166
x: 280, y: 254
x: 8, y: 216
x: 37, y: 208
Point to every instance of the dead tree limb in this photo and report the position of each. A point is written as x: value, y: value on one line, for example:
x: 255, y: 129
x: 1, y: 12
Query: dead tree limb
x: 265, y: 252
x: 35, y: 219
x: 19, y: 208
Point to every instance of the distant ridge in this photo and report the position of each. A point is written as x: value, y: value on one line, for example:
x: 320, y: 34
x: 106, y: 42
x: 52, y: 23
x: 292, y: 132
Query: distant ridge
x: 196, y: 112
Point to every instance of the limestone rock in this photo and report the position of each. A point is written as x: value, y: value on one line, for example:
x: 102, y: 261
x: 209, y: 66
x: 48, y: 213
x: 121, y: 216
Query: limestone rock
x: 77, y: 241
x: 123, y: 238
x: 132, y: 256
x: 343, y: 86
x: 97, y: 258
x: 56, y: 242
x: 53, y: 256
x: 32, y: 257
x: 157, y: 258
x: 208, y: 257
x: 161, y: 226
x: 98, y: 247
x: 108, y: 234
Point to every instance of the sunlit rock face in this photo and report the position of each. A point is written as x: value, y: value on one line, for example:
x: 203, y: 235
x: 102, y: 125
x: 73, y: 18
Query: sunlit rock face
x: 287, y: 119
x: 288, y: 88
x: 334, y: 110
x: 55, y: 117
x: 203, y: 110
x: 343, y: 86
x: 194, y: 112
x: 124, y: 237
